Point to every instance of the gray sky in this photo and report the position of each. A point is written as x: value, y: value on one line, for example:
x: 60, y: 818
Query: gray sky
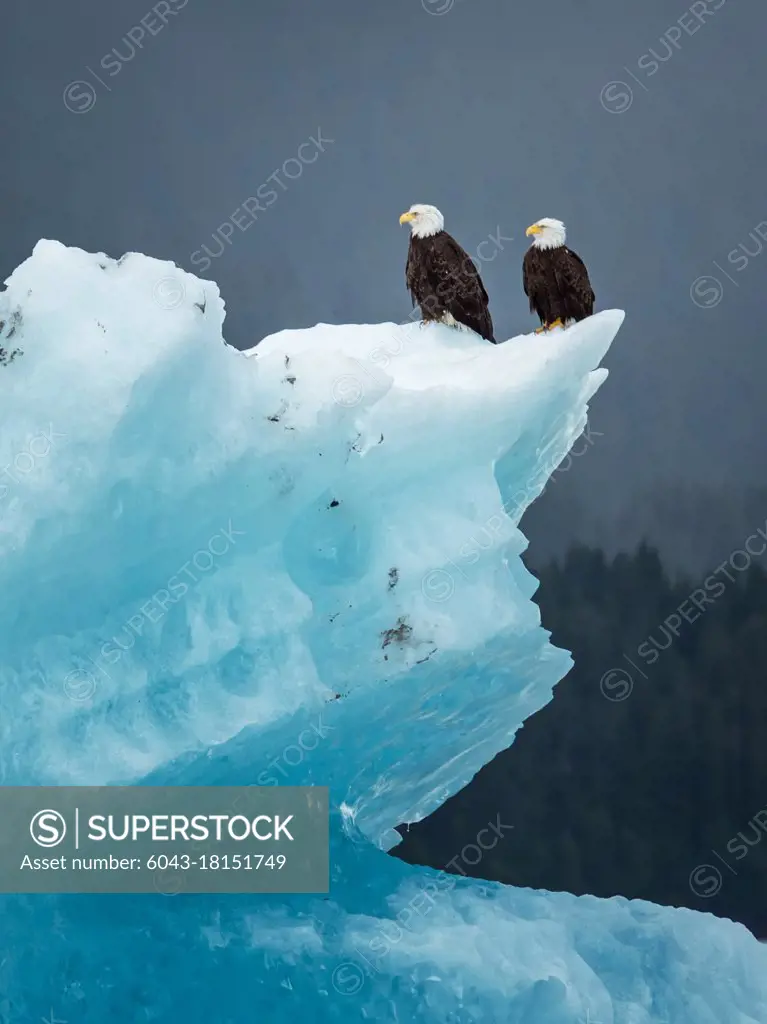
x: 497, y: 112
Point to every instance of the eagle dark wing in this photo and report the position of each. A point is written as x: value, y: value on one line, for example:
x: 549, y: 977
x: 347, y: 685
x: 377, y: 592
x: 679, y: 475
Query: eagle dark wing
x: 458, y: 287
x: 412, y: 274
x: 534, y: 280
x: 573, y: 281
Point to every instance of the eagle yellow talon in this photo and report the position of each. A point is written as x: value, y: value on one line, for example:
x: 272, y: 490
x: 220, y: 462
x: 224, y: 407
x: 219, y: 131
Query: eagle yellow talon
x: 550, y: 327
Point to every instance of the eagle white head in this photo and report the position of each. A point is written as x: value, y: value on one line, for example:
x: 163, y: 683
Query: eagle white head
x: 547, y: 233
x: 423, y: 220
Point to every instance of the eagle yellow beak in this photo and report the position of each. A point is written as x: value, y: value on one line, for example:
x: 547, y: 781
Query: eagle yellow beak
x: 407, y: 217
x: 534, y: 229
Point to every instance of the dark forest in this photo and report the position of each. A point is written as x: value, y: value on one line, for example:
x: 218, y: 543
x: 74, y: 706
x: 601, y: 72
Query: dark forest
x: 646, y: 775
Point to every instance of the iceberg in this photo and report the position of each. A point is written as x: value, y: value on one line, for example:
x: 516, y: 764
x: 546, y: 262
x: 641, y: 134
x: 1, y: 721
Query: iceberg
x: 298, y: 565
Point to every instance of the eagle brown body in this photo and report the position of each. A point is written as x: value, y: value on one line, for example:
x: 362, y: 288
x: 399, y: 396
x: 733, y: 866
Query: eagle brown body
x: 557, y: 284
x: 442, y: 279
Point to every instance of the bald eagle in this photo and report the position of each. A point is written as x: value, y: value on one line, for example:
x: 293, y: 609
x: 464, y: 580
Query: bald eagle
x: 555, y: 278
x: 441, y: 276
